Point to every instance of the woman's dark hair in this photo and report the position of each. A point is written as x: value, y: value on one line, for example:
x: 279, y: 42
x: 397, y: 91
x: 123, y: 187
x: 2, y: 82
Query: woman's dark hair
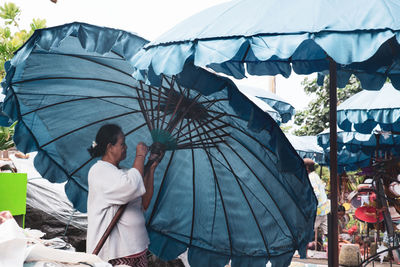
x: 107, y: 134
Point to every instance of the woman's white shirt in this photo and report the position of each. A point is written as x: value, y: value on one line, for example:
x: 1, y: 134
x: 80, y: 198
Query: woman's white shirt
x: 109, y: 188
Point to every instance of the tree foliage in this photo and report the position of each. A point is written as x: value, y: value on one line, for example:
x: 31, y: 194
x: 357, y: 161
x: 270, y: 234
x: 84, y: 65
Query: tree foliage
x: 11, y: 36
x: 315, y: 118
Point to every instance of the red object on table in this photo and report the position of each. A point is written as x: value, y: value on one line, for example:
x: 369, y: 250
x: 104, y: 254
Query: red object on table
x: 368, y: 214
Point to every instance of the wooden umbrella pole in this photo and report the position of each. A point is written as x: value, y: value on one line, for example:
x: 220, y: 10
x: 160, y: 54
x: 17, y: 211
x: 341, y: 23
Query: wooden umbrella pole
x: 116, y: 218
x: 333, y: 244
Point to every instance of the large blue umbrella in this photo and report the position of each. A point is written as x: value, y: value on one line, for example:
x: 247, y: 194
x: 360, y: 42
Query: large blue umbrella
x: 228, y: 186
x: 367, y: 109
x: 285, y: 109
x: 275, y: 36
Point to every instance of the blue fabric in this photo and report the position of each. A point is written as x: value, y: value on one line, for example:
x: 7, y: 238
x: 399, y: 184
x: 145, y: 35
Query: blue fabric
x: 355, y: 150
x: 273, y: 37
x: 348, y: 161
x: 307, y: 147
x: 237, y: 199
x: 367, y: 109
x: 367, y: 143
x: 286, y: 110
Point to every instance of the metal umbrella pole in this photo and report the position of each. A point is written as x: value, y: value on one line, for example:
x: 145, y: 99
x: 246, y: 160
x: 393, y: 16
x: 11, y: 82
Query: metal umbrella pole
x: 333, y: 251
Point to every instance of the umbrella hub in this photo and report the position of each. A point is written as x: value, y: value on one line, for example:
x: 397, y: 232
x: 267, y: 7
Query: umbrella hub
x: 162, y: 141
x: 184, y: 107
x: 158, y: 148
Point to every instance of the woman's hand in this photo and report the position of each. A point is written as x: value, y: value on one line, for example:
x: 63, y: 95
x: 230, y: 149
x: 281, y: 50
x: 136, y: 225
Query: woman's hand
x: 141, y: 150
x: 156, y: 158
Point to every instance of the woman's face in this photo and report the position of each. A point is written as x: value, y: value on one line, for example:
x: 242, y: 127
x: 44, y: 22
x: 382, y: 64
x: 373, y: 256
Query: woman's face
x: 119, y: 149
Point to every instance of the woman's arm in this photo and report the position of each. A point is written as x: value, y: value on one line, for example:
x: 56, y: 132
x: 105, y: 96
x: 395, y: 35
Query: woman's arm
x: 148, y: 180
x: 141, y: 151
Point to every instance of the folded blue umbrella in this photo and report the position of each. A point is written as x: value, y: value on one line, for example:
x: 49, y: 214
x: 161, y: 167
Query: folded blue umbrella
x: 230, y: 186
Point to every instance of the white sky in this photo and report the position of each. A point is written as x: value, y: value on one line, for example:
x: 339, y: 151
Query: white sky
x: 147, y: 18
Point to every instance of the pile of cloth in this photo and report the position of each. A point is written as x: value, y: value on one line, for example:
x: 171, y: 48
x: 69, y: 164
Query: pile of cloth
x: 26, y: 248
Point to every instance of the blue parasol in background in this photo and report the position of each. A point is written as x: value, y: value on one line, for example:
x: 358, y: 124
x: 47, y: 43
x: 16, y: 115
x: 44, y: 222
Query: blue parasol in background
x: 265, y: 107
x: 277, y: 36
x: 228, y: 186
x: 284, y: 108
x: 307, y: 147
x: 367, y: 143
x: 356, y: 150
x: 367, y: 109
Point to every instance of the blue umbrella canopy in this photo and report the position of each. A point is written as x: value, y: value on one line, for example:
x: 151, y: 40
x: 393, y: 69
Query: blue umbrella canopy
x: 273, y: 37
x: 286, y: 110
x: 307, y: 147
x: 367, y: 109
x: 355, y: 149
x: 228, y: 186
x: 367, y: 143
x: 349, y: 161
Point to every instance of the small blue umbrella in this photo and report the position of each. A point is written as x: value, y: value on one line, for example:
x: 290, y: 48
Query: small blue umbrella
x: 307, y: 147
x: 277, y: 36
x: 285, y: 109
x: 367, y: 109
x: 355, y: 150
x: 229, y: 185
x: 265, y: 107
x: 349, y: 161
x: 367, y: 143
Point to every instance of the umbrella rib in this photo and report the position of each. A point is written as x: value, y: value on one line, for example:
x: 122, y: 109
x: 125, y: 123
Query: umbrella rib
x: 211, y: 129
x: 265, y: 188
x: 94, y: 61
x: 161, y: 185
x: 142, y: 107
x: 247, y: 201
x: 264, y: 166
x: 87, y: 125
x: 75, y: 78
x: 173, y: 113
x: 80, y: 99
x: 204, y: 122
x: 159, y: 190
x: 194, y: 195
x: 185, y: 113
x: 151, y: 104
x: 158, y: 109
x: 49, y: 94
x: 237, y: 128
x: 37, y: 143
x: 220, y: 194
x: 166, y: 106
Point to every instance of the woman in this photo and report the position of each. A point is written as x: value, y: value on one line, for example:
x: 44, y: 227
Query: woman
x: 109, y: 188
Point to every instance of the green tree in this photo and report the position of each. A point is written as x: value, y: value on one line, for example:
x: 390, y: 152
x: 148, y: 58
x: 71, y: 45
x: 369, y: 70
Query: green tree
x: 11, y: 36
x: 315, y: 118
